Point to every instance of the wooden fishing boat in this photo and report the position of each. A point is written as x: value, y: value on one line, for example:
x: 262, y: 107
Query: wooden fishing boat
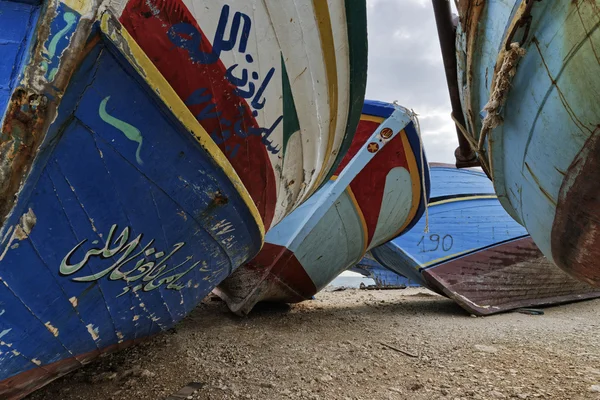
x: 474, y: 252
x: 279, y: 87
x: 121, y: 206
x: 376, y: 193
x: 384, y: 278
x: 527, y: 78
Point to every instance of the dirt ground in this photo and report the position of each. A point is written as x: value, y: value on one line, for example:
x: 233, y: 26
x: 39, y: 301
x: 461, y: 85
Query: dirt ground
x: 356, y: 344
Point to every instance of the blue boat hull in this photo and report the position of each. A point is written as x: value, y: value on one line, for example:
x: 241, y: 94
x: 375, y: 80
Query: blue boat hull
x: 529, y: 78
x: 122, y: 225
x: 383, y: 277
x: 474, y: 252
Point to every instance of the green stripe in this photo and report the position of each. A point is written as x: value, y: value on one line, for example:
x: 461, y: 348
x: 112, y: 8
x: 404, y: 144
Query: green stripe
x: 291, y: 124
x: 356, y: 20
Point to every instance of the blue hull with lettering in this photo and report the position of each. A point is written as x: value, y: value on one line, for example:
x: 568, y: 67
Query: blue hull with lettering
x: 464, y: 216
x: 474, y: 252
x: 125, y: 219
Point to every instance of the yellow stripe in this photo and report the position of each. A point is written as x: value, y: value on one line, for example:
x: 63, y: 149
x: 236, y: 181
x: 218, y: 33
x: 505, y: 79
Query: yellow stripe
x: 328, y: 47
x: 361, y: 216
x: 464, y: 198
x: 415, y: 178
x: 437, y: 260
x: 372, y: 118
x: 83, y: 7
x: 161, y: 87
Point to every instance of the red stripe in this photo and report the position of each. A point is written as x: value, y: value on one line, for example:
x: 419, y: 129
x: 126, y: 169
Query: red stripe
x: 368, y: 186
x: 149, y: 23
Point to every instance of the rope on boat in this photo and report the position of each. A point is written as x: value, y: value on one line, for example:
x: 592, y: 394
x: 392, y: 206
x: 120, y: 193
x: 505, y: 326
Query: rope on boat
x: 464, y: 131
x: 502, y: 86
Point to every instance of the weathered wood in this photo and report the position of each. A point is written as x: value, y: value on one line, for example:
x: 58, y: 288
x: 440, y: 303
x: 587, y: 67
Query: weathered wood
x: 542, y: 150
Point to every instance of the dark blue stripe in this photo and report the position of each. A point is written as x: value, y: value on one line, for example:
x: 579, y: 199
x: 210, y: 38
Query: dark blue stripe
x: 378, y: 108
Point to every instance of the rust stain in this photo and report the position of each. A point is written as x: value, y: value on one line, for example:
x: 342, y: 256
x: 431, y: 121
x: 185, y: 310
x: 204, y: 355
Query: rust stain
x: 219, y: 199
x: 30, y: 111
x: 575, y: 239
x: 19, y: 140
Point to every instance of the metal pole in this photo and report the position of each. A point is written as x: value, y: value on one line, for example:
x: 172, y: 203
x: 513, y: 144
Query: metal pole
x: 465, y: 156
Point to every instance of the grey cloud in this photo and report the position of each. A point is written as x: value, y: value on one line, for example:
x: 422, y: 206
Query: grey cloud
x: 405, y: 64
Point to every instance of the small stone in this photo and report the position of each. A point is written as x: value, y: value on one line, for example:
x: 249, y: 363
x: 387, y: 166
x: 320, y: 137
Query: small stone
x: 146, y: 374
x: 325, y: 378
x: 130, y: 383
x: 486, y: 349
x: 497, y: 395
x: 595, y: 388
x: 267, y: 385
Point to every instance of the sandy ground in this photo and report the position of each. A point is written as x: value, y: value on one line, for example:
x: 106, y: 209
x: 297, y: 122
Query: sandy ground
x: 356, y: 344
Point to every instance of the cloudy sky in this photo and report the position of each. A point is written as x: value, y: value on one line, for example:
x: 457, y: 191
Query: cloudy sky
x: 405, y: 64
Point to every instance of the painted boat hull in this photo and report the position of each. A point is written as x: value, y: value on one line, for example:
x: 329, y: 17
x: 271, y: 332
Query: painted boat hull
x: 282, y: 100
x: 109, y: 242
x: 544, y: 152
x: 383, y: 277
x: 475, y: 253
x: 376, y: 194
x: 122, y: 205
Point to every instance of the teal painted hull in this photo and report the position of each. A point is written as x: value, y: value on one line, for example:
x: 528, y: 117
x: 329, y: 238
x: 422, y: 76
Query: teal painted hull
x: 542, y: 147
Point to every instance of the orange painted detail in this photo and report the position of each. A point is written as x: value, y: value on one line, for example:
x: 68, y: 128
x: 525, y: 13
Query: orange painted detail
x: 386, y: 133
x: 373, y: 147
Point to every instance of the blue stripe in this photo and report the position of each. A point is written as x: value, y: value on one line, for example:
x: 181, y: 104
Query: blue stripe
x: 378, y: 108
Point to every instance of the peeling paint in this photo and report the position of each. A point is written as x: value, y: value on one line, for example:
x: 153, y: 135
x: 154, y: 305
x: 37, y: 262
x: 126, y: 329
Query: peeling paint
x: 93, y: 331
x: 33, y: 106
x: 21, y: 232
x: 73, y: 301
x: 51, y: 328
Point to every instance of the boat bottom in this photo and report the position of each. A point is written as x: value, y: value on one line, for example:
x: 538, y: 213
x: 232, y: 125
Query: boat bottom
x: 576, y: 227
x: 490, y: 281
x: 18, y: 386
x: 275, y: 275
